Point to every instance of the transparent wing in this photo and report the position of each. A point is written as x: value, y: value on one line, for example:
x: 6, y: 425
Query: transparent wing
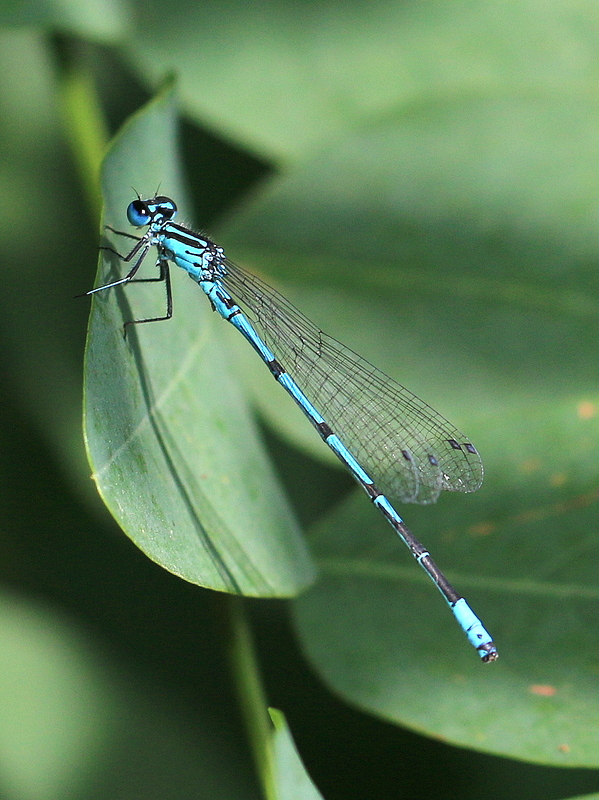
x: 410, y: 451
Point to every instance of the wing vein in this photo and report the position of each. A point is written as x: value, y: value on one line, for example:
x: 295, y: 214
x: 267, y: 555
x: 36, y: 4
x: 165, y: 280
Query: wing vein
x: 410, y: 450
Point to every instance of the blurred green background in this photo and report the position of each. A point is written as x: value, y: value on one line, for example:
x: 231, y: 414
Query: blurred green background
x: 422, y: 179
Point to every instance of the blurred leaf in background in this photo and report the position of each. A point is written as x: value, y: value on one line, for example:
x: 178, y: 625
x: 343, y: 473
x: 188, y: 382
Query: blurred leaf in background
x: 422, y: 181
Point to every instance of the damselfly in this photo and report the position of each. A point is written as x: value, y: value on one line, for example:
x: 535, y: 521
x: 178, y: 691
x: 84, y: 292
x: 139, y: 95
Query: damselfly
x: 395, y: 445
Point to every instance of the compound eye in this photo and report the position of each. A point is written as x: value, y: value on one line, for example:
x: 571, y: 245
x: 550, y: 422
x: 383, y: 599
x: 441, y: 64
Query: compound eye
x: 166, y: 207
x: 138, y: 213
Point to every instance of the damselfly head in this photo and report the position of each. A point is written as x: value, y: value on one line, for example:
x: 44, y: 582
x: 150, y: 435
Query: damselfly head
x: 144, y: 212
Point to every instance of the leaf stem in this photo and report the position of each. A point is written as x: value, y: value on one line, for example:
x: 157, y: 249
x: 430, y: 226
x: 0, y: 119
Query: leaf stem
x: 82, y: 113
x: 252, y: 699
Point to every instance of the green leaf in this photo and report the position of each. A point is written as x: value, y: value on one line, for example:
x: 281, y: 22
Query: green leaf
x: 75, y: 724
x: 383, y: 639
x: 293, y: 782
x: 57, y: 708
x: 455, y: 245
x: 174, y: 449
x: 282, y: 774
x: 593, y: 796
x: 283, y: 77
x: 524, y: 552
x: 105, y: 20
x: 433, y: 258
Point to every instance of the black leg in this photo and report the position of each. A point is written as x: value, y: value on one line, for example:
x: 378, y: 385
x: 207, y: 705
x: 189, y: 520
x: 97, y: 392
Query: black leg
x: 165, y: 275
x: 123, y: 233
x: 141, y: 240
x: 130, y: 255
x: 142, y: 245
x: 140, y: 249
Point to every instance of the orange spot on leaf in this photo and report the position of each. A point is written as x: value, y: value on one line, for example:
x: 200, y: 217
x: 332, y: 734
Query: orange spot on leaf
x: 530, y: 465
x: 586, y: 410
x: 543, y: 690
x: 558, y: 479
x: 482, y: 529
